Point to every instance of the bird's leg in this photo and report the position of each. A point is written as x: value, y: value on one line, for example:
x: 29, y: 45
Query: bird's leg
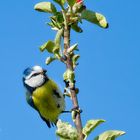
x: 75, y: 109
x: 66, y: 112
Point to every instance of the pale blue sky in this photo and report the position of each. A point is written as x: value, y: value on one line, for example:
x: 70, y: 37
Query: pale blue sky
x: 108, y: 74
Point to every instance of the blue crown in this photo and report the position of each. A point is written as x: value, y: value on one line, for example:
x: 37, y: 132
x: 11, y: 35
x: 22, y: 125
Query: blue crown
x: 27, y: 71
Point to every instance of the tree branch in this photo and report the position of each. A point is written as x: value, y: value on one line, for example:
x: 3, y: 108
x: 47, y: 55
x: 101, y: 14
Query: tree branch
x: 69, y: 65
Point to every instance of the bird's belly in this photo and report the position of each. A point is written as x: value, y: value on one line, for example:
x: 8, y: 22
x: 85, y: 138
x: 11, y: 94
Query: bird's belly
x: 45, y: 103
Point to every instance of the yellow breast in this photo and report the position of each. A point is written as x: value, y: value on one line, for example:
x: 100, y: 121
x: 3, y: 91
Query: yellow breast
x: 44, y: 101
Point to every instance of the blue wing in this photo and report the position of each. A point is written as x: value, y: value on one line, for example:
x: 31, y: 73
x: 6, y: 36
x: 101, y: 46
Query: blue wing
x: 30, y: 100
x: 31, y: 103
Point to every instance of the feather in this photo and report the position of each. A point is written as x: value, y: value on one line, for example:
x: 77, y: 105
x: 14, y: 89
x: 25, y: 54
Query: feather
x: 31, y: 103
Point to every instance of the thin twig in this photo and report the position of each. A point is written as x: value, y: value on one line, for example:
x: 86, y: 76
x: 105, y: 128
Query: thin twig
x: 69, y: 65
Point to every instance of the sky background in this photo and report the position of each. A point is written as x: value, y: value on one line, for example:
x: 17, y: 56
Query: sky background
x: 108, y: 74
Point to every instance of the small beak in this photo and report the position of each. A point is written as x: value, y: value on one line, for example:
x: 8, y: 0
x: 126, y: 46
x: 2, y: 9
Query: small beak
x: 44, y: 71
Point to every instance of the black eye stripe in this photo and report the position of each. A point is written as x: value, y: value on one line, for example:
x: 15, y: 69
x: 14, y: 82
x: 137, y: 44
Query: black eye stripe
x: 35, y: 74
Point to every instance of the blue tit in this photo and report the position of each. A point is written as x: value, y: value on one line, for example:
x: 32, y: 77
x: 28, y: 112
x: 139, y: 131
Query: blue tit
x: 43, y: 94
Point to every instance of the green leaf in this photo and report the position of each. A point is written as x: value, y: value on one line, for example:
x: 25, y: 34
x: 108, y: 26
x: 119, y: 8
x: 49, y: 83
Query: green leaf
x: 49, y: 46
x: 49, y: 60
x: 90, y: 126
x: 76, y: 28
x: 51, y: 24
x: 71, y: 2
x: 110, y: 135
x: 65, y: 131
x: 55, y: 23
x: 56, y: 52
x: 95, y: 18
x: 60, y: 2
x: 57, y: 20
x: 58, y: 36
x: 45, y: 7
x: 59, y: 17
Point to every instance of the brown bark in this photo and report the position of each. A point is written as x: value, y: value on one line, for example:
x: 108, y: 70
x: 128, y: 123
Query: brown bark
x: 69, y: 65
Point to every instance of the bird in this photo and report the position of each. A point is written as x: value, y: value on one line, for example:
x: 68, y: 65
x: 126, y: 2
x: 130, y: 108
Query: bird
x: 43, y: 94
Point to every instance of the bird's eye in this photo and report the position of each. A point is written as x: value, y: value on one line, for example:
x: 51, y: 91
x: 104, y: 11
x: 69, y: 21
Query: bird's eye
x: 35, y: 74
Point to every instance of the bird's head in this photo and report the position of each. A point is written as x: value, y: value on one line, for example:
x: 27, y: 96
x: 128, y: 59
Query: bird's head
x: 34, y: 77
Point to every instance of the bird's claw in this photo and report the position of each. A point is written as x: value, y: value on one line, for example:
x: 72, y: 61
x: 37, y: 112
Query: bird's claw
x: 77, y: 110
x: 74, y: 112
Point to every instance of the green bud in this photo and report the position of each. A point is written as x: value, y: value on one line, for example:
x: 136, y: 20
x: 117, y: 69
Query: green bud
x: 69, y: 75
x: 72, y: 48
x: 58, y: 36
x: 75, y: 59
x: 49, y: 60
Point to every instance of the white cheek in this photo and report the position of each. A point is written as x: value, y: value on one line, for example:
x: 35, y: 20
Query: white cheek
x: 35, y: 81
